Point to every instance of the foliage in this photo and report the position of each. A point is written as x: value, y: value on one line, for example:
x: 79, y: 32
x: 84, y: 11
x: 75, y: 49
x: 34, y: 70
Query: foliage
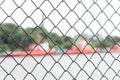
x: 108, y: 41
x: 14, y: 37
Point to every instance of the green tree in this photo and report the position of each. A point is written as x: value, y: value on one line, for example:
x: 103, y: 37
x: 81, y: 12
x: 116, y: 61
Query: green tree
x: 15, y: 37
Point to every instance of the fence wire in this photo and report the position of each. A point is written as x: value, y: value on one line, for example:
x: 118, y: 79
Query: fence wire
x: 81, y: 39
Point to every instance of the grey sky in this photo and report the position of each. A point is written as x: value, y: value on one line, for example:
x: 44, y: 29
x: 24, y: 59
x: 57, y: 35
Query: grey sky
x: 79, y: 18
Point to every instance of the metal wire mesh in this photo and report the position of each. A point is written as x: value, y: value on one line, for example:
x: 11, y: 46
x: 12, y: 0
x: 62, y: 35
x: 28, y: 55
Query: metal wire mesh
x: 63, y: 24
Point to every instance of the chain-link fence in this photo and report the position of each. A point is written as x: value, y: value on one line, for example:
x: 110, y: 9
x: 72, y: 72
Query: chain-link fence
x: 59, y: 39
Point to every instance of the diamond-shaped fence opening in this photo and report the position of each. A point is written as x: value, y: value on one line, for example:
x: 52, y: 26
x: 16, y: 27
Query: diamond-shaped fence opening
x: 59, y: 39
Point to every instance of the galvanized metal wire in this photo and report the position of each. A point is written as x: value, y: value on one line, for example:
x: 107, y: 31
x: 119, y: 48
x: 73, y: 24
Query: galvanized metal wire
x: 104, y: 14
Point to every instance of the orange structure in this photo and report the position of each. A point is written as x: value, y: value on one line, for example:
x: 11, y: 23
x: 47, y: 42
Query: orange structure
x: 80, y: 47
x: 31, y: 51
x: 34, y: 50
x: 114, y: 49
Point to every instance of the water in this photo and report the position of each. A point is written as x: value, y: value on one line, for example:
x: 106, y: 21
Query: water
x: 61, y: 67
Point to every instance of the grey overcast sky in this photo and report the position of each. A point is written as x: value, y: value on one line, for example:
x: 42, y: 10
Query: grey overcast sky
x: 79, y: 18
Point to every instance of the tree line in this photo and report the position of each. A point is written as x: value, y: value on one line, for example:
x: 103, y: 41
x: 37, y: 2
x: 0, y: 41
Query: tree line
x: 14, y: 37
